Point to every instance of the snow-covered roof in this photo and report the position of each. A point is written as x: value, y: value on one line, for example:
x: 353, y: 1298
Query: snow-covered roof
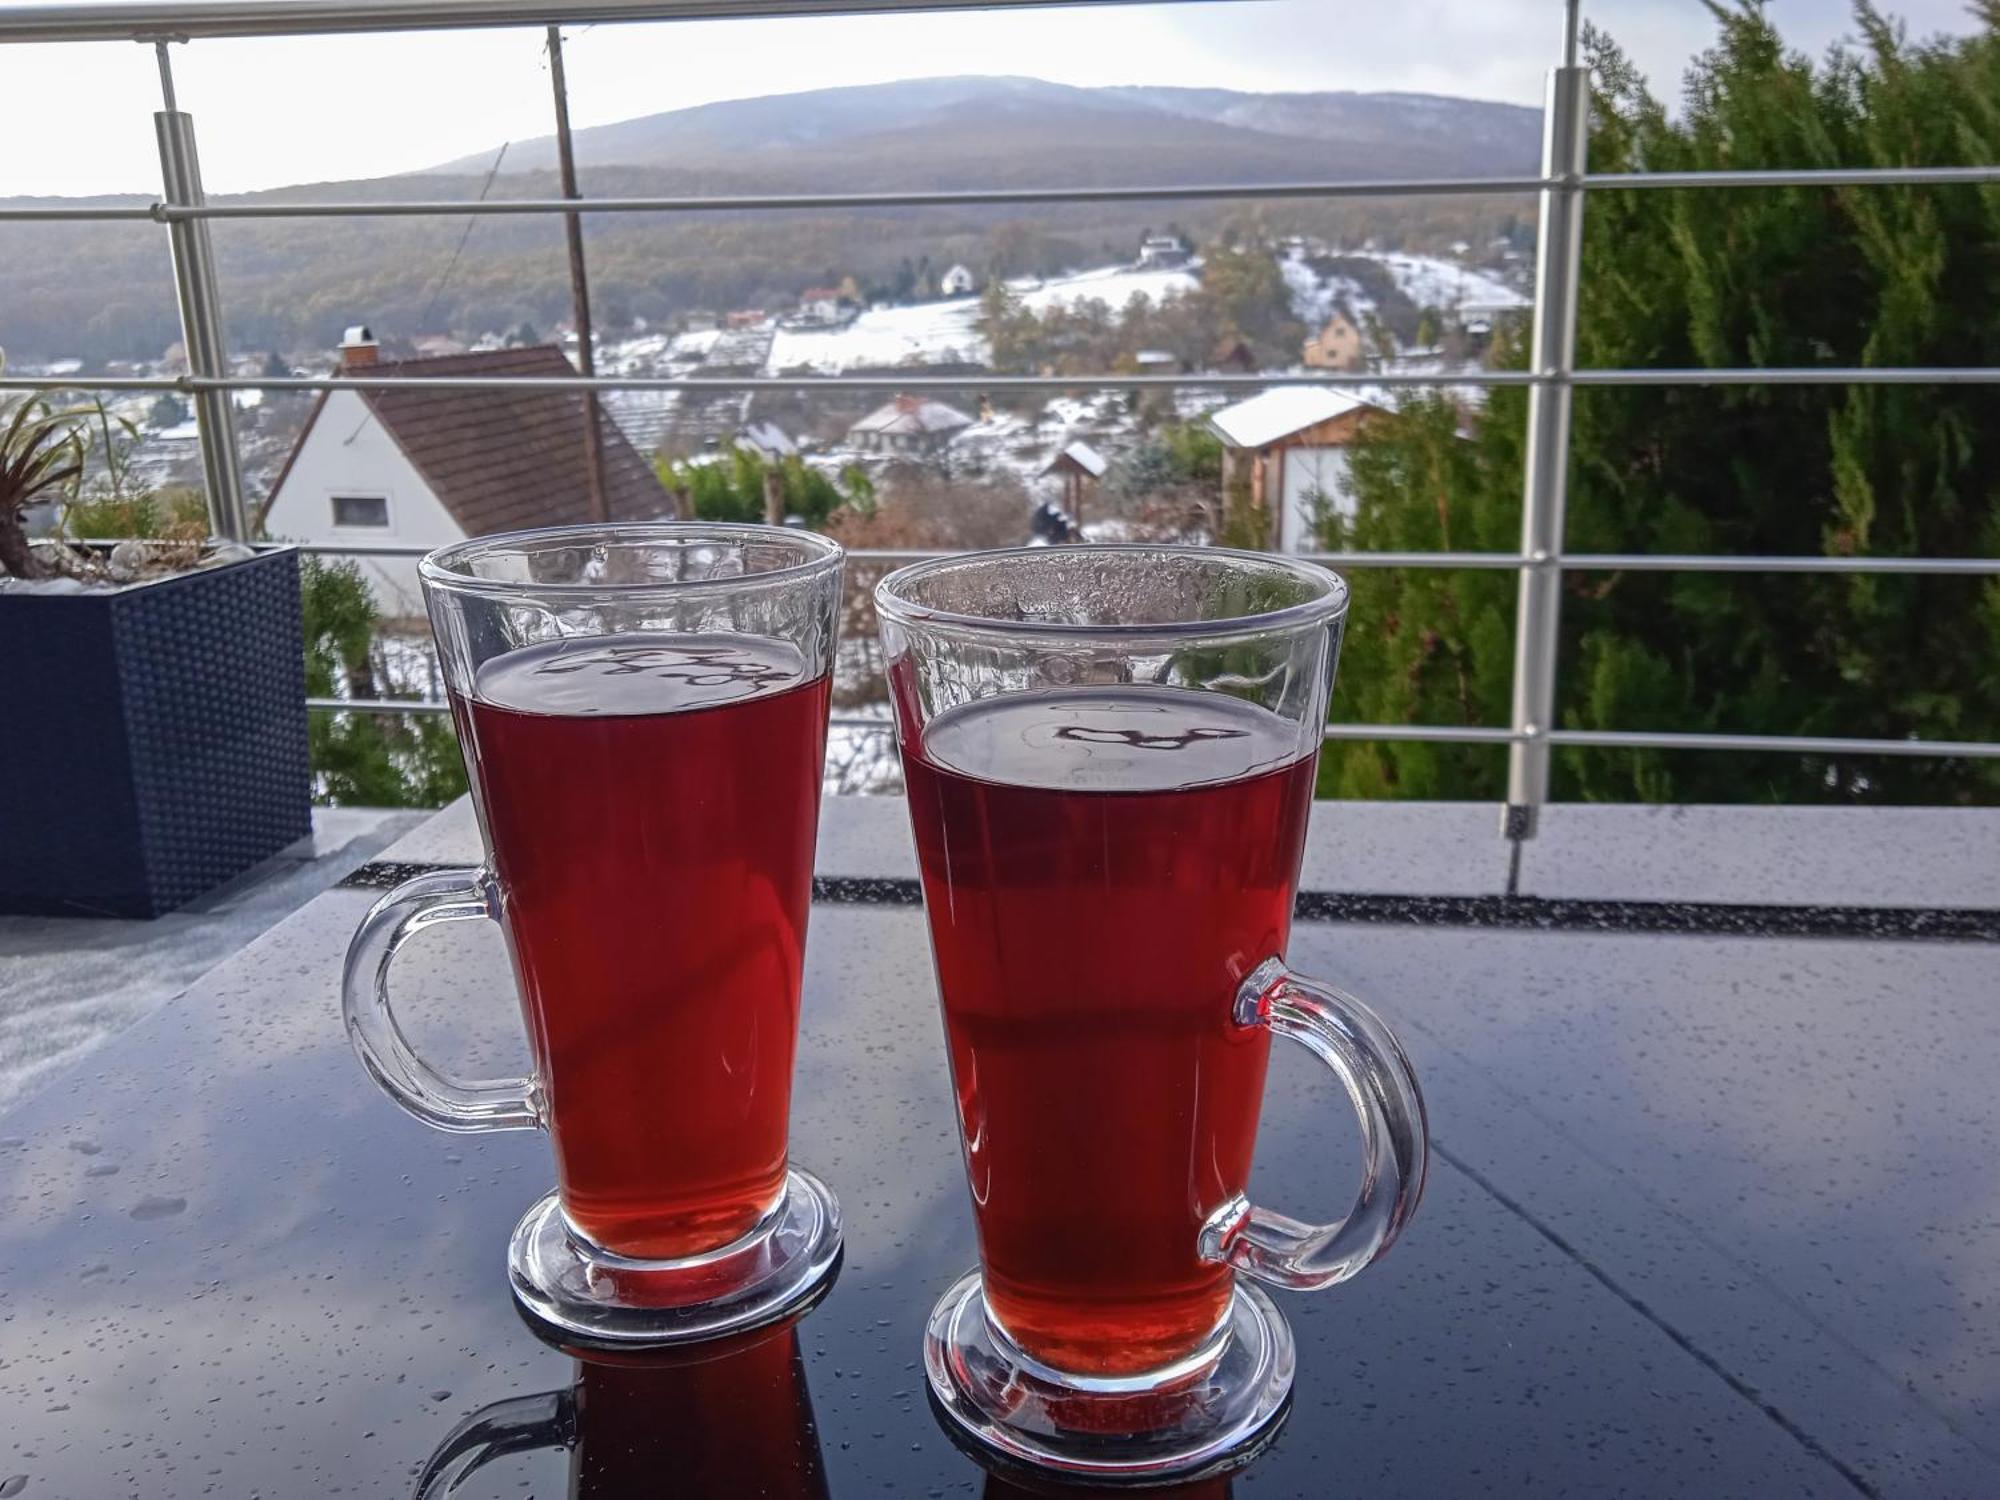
x: 1084, y: 457
x: 1278, y: 413
x: 768, y: 438
x: 913, y: 414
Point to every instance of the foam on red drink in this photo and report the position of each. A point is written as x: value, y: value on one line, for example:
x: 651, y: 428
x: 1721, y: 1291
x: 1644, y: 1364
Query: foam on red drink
x: 651, y: 803
x: 1102, y: 867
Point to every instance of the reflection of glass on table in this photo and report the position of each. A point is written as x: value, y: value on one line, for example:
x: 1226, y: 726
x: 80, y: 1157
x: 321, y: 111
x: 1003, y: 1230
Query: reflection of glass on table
x: 716, y: 1423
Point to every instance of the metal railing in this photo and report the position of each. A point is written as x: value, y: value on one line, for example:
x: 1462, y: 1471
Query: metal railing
x: 1551, y: 380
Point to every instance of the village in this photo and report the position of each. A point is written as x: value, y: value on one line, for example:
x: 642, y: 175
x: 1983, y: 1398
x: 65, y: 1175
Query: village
x: 403, y: 466
x: 1051, y: 460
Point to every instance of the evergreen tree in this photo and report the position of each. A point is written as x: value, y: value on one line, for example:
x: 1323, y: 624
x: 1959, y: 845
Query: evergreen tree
x: 365, y: 759
x: 1868, y: 276
x: 731, y: 488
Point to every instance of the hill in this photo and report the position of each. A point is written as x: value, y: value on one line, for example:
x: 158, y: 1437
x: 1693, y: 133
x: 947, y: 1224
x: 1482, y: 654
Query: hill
x: 105, y: 291
x: 1377, y: 135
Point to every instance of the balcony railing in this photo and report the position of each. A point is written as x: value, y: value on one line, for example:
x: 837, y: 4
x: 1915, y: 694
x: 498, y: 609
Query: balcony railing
x: 1551, y: 379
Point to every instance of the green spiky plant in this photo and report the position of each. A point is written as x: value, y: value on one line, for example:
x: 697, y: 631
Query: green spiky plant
x: 41, y: 459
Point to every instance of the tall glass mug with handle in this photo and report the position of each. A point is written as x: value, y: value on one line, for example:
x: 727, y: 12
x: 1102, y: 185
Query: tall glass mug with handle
x: 643, y: 713
x: 1110, y: 755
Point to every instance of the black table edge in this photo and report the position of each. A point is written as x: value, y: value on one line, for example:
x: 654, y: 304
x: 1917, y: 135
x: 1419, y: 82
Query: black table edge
x: 1533, y: 913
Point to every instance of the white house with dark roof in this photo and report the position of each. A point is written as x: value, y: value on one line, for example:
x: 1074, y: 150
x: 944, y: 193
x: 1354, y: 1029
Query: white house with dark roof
x: 409, y: 466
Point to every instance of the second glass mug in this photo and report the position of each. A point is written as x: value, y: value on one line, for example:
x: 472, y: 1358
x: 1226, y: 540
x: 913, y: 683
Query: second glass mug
x: 643, y: 713
x: 1110, y: 755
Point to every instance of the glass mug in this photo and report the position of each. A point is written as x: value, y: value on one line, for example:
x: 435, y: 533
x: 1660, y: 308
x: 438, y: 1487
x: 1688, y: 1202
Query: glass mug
x: 643, y: 713
x: 1110, y: 756
x: 719, y: 1421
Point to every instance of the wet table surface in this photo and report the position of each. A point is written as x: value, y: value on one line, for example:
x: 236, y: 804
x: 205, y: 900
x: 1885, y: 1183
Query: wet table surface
x: 1712, y: 1213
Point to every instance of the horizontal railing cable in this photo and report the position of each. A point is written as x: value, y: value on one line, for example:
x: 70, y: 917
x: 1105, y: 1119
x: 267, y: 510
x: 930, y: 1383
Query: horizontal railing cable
x: 1783, y: 744
x: 1449, y: 734
x: 1576, y: 562
x: 185, y: 20
x: 1413, y: 187
x: 903, y: 381
x: 913, y: 198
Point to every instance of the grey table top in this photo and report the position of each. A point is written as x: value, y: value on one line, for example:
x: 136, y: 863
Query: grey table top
x: 1712, y: 1214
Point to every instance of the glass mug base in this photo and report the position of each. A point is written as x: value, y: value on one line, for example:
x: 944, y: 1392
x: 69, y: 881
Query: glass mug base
x: 1185, y: 1423
x: 566, y: 1282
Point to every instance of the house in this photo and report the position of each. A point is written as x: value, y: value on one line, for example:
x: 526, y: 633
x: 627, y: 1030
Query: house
x: 407, y: 466
x: 1079, y: 464
x: 1157, y: 362
x: 745, y: 317
x: 1288, y: 447
x: 767, y: 440
x: 958, y: 282
x: 821, y: 306
x: 908, y: 425
x: 1337, y: 346
x: 1163, y: 252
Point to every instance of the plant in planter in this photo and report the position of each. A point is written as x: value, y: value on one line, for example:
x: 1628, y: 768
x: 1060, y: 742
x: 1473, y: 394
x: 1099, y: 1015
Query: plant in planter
x: 41, y: 457
x: 154, y: 728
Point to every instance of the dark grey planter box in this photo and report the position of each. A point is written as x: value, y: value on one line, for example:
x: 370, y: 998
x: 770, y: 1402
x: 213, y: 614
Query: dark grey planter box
x: 152, y: 738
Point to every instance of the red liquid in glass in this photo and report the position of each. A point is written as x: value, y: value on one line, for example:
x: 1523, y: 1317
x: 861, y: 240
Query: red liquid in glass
x: 1102, y: 867
x: 651, y: 803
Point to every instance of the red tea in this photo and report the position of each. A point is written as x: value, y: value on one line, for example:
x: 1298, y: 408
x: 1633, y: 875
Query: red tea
x: 1102, y: 867
x: 651, y: 803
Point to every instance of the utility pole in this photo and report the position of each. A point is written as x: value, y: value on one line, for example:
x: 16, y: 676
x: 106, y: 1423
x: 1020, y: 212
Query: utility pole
x: 579, y: 287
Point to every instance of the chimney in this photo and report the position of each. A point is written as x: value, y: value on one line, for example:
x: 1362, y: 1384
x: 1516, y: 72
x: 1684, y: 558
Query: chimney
x: 358, y: 347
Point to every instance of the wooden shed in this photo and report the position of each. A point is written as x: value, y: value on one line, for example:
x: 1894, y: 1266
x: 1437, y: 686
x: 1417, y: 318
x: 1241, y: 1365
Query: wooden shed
x: 1287, y: 446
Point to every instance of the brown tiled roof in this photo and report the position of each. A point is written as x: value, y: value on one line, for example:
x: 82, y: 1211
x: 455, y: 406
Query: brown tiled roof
x: 507, y: 460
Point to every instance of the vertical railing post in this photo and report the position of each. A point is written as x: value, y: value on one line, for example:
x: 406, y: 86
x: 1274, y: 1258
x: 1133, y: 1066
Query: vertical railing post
x: 579, y: 289
x: 201, y: 315
x: 1538, y: 610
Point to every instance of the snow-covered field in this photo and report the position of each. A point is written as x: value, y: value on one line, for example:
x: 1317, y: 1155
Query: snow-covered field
x: 1430, y: 282
x: 1114, y: 286
x: 936, y: 333
x: 928, y: 333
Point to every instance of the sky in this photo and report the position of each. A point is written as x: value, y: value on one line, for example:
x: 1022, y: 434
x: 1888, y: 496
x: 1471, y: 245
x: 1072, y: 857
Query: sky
x: 270, y: 112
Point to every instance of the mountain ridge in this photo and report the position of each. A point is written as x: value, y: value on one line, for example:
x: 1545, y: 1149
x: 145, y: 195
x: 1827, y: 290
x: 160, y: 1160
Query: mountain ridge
x: 817, y: 118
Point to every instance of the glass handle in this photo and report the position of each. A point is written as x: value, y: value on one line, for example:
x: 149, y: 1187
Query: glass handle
x: 519, y: 1424
x: 435, y: 1098
x: 1369, y: 1062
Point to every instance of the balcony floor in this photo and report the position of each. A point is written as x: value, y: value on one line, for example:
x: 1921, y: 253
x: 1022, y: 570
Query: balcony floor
x: 69, y: 983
